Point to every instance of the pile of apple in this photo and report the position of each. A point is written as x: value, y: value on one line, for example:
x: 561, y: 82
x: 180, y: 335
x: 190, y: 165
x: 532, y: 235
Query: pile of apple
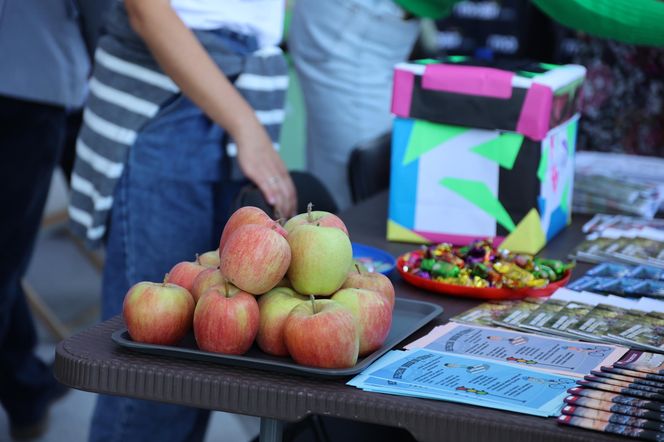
x: 264, y: 284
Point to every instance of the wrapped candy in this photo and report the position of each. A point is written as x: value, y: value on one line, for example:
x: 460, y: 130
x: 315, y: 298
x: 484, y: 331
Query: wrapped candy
x: 480, y: 264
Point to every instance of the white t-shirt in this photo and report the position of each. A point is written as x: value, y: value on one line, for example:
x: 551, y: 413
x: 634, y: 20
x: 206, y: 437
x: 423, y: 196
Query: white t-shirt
x: 262, y: 18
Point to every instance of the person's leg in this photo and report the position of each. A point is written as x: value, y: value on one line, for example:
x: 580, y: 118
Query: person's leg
x: 31, y: 136
x: 162, y: 214
x: 344, y: 52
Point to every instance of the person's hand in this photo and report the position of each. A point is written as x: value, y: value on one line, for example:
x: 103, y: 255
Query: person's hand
x: 186, y: 61
x: 263, y: 166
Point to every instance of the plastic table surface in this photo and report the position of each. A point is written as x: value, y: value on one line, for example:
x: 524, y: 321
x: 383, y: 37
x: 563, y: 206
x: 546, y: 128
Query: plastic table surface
x: 90, y: 361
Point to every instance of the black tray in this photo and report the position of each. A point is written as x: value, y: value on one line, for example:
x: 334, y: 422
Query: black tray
x: 408, y: 317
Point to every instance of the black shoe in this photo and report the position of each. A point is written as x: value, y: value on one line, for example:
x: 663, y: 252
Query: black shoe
x: 32, y: 427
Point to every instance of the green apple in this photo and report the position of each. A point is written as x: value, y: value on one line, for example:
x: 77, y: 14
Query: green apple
x: 315, y: 217
x: 209, y: 259
x: 274, y: 308
x: 320, y: 259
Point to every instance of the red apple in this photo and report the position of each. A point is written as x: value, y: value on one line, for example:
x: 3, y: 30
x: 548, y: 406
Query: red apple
x: 248, y: 215
x: 226, y: 322
x: 321, y: 258
x: 158, y: 313
x: 255, y: 258
x: 184, y: 273
x: 209, y: 259
x: 274, y: 307
x: 322, y: 333
x: 373, y: 314
x: 316, y: 217
x: 378, y: 282
x: 205, y: 280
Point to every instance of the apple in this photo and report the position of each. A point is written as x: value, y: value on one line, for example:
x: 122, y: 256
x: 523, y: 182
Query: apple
x: 205, y: 280
x: 158, y: 313
x: 184, y: 273
x: 320, y: 259
x: 274, y: 308
x: 284, y: 283
x: 373, y: 314
x: 248, y: 215
x: 372, y: 281
x: 209, y: 259
x: 255, y: 258
x: 316, y: 217
x: 226, y: 321
x: 322, y: 333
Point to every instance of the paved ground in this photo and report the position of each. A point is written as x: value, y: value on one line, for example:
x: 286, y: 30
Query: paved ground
x: 69, y: 285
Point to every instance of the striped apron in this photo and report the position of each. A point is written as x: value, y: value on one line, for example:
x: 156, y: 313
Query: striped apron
x: 127, y: 90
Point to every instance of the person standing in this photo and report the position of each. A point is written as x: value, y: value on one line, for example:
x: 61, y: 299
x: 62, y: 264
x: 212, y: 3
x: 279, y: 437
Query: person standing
x: 43, y: 72
x: 344, y: 52
x: 186, y: 104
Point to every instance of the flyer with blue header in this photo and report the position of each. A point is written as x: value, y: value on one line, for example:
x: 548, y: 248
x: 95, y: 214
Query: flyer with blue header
x: 438, y: 375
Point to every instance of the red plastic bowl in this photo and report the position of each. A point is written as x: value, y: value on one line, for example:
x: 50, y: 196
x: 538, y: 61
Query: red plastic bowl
x: 479, y: 292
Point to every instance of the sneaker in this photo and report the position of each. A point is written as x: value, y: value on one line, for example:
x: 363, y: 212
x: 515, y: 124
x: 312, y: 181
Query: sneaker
x: 36, y: 425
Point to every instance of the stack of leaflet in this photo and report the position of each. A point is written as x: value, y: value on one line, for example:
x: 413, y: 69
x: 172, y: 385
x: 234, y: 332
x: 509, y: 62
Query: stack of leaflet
x: 489, y: 367
x: 623, y: 280
x: 626, y: 398
x: 617, y: 183
x: 593, y: 317
x: 618, y: 238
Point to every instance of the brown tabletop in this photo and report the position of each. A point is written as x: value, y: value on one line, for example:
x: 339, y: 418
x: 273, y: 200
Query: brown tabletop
x: 91, y: 361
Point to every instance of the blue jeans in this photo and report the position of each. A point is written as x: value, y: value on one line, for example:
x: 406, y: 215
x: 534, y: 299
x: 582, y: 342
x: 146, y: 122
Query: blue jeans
x: 171, y: 202
x: 344, y: 52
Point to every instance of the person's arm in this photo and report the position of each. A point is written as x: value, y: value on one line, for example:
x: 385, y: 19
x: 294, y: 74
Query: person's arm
x: 184, y: 59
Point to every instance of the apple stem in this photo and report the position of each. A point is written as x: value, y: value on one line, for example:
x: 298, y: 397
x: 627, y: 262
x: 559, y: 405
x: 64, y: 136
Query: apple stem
x: 165, y: 279
x: 310, y: 207
x: 357, y: 266
x: 198, y: 259
x: 313, y: 301
x: 228, y: 290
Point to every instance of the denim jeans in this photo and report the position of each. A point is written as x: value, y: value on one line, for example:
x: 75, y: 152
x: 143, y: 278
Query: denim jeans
x: 344, y: 52
x: 171, y: 202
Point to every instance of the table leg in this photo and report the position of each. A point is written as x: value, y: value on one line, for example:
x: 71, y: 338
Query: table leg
x: 271, y: 430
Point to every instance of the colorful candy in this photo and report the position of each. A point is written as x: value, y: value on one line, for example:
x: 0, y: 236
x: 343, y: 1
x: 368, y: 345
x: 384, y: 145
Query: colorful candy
x: 480, y: 264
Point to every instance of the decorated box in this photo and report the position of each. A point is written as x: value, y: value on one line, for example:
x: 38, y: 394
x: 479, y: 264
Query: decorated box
x: 457, y: 184
x: 524, y: 97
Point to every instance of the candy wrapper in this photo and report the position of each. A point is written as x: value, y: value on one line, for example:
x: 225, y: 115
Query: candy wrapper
x: 482, y: 265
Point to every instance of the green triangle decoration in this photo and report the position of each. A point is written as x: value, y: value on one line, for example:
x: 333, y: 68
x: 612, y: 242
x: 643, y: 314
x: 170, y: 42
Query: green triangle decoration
x: 543, y: 165
x: 426, y: 136
x: 571, y: 138
x: 479, y: 194
x: 397, y: 232
x: 563, y: 198
x: 503, y: 149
